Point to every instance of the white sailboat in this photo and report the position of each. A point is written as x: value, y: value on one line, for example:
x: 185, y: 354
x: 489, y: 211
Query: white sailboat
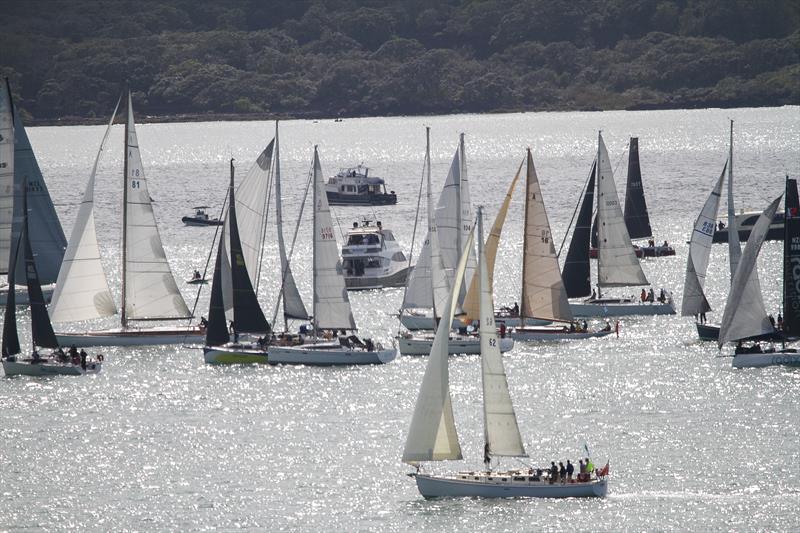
x: 617, y: 265
x: 149, y: 291
x: 331, y: 309
x: 433, y: 436
x: 19, y: 165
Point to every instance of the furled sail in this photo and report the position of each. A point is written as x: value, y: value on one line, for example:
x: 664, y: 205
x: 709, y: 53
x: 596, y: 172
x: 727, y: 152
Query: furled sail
x: 636, y: 218
x: 501, y: 431
x: 331, y: 304
x: 149, y: 288
x: 543, y: 292
x: 791, y: 261
x: 6, y: 174
x: 694, y: 299
x: 432, y: 435
x: 617, y: 265
x: 577, y: 274
x: 82, y: 291
x: 744, y: 312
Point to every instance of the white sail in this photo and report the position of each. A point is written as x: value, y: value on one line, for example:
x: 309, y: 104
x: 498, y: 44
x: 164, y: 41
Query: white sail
x: 734, y: 246
x: 6, y: 174
x: 331, y: 304
x: 82, y: 291
x: 617, y: 265
x: 149, y: 288
x: 744, y: 312
x: 543, y: 292
x: 432, y: 435
x: 418, y: 292
x: 448, y: 218
x: 439, y: 283
x: 293, y: 306
x: 694, y: 299
x: 501, y: 431
x: 466, y: 219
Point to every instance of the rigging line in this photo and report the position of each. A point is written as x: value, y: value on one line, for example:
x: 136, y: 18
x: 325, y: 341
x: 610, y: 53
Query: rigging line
x: 425, y: 162
x: 291, y: 249
x: 575, y: 212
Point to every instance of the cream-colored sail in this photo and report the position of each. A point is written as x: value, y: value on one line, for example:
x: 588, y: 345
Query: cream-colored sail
x: 543, y: 292
x: 6, y: 174
x: 149, y: 287
x: 617, y: 265
x: 472, y: 299
x: 432, y: 435
x: 744, y: 312
x: 501, y: 431
x: 82, y: 291
x: 331, y: 304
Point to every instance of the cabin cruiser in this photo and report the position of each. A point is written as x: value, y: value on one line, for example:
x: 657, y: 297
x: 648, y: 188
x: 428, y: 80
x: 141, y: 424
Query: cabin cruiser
x: 745, y: 221
x: 372, y: 258
x: 201, y: 218
x: 354, y: 186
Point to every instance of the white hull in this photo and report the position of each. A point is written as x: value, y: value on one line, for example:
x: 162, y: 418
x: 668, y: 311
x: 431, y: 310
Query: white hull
x: 328, y: 354
x: 621, y: 308
x: 421, y: 345
x: 366, y: 282
x: 442, y: 487
x: 49, y: 368
x: 234, y: 354
x: 758, y: 360
x: 418, y: 321
x: 21, y: 295
x: 553, y: 333
x: 134, y: 337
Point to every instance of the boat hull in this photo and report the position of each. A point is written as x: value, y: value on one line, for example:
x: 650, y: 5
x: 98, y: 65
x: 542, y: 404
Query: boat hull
x: 455, y: 346
x: 760, y: 360
x: 23, y: 368
x: 133, y: 337
x: 444, y: 487
x: 328, y: 355
x: 553, y: 333
x: 234, y: 355
x: 360, y: 283
x: 621, y: 308
x: 710, y: 332
x: 644, y: 251
x: 192, y: 221
x: 415, y: 321
x: 335, y: 198
x: 775, y: 233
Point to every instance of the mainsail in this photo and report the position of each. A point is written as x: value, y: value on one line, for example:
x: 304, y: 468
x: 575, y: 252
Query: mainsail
x: 791, y: 261
x: 543, y: 292
x: 217, y: 327
x: 636, y: 218
x: 617, y: 265
x: 734, y: 246
x: 82, y: 291
x: 10, y: 336
x: 6, y: 174
x: 577, y: 273
x: 149, y: 290
x: 694, y: 299
x: 331, y: 304
x: 744, y: 312
x: 501, y: 431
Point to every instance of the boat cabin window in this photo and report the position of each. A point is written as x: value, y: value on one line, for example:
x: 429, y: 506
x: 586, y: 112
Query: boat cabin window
x: 749, y: 221
x: 372, y: 239
x: 519, y: 479
x: 399, y: 257
x: 374, y: 262
x: 355, y: 240
x: 388, y: 235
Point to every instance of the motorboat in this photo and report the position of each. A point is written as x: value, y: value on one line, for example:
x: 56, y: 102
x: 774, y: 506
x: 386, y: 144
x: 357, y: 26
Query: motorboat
x: 372, y: 258
x: 744, y: 223
x: 354, y: 186
x: 201, y: 218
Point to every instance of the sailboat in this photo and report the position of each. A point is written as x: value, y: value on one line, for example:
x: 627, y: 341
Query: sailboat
x: 149, y: 291
x: 19, y: 165
x: 433, y: 436
x: 695, y: 302
x: 617, y: 265
x: 421, y: 344
x: 42, y: 335
x: 744, y: 318
x: 544, y: 296
x: 331, y: 309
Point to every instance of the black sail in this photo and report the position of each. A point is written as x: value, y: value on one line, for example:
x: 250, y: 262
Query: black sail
x: 247, y: 314
x: 217, y: 328
x: 41, y: 327
x: 636, y: 218
x: 10, y: 337
x: 576, y: 273
x: 791, y: 262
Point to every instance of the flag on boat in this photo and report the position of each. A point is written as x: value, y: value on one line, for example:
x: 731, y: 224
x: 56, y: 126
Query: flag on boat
x: 603, y: 472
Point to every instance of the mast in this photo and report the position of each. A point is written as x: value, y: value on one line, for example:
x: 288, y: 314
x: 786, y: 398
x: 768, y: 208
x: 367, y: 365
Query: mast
x: 314, y: 320
x: 523, y: 294
x: 123, y: 310
x: 734, y: 246
x: 459, y: 221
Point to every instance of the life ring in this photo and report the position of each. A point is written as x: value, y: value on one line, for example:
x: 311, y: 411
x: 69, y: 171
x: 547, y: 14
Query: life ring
x: 99, y: 358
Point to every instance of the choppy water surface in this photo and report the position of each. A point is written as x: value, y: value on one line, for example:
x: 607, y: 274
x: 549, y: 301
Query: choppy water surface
x: 160, y: 441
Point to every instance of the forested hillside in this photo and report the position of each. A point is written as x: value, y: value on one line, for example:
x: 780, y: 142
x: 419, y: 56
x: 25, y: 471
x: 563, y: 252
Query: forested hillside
x: 71, y: 58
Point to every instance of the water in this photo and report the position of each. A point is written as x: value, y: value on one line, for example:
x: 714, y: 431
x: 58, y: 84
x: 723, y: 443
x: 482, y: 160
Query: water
x: 161, y: 441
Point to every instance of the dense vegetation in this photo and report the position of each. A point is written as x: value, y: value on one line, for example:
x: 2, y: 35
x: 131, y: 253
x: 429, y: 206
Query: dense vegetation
x: 378, y: 57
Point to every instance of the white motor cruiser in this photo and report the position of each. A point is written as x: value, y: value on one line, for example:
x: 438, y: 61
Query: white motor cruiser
x: 372, y: 258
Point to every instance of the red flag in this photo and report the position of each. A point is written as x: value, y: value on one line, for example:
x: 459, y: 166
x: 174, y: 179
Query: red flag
x: 603, y: 471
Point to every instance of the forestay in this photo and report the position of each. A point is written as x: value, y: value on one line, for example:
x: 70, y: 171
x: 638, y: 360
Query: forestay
x: 694, y: 299
x: 82, y: 291
x: 617, y: 265
x: 744, y: 312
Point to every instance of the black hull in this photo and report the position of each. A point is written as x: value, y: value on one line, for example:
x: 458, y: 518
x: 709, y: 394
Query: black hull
x: 710, y: 332
x: 774, y: 234
x: 192, y: 221
x: 334, y: 198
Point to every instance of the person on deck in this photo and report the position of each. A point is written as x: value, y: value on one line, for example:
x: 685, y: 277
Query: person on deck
x: 570, y: 470
x: 562, y: 472
x: 515, y: 309
x: 651, y: 295
x: 553, y: 472
x: 589, y: 467
x: 780, y: 320
x: 581, y: 470
x: 662, y: 296
x: 771, y: 320
x: 83, y: 359
x: 643, y: 296
x: 721, y: 225
x: 594, y: 295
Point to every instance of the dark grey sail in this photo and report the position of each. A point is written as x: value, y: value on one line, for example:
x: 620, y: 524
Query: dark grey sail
x: 247, y: 314
x: 10, y: 336
x: 217, y: 327
x: 636, y: 218
x: 791, y: 261
x: 576, y: 274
